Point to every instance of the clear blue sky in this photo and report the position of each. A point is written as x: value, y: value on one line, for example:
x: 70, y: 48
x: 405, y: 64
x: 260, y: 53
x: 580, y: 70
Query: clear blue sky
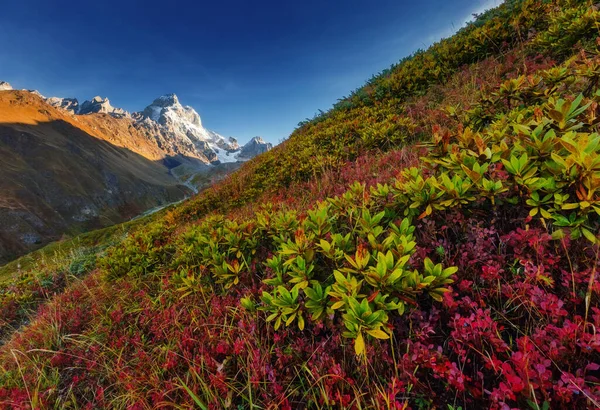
x: 248, y: 67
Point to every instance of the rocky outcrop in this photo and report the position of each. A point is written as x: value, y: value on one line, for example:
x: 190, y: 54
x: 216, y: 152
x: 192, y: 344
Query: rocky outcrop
x: 254, y: 147
x: 69, y: 104
x: 178, y: 130
x: 101, y: 105
x: 36, y: 92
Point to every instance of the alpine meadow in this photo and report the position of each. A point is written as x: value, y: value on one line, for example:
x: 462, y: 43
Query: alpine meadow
x: 430, y: 242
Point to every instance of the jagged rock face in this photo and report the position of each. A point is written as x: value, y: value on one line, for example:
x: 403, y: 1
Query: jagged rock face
x: 254, y: 147
x: 68, y: 104
x: 36, y: 92
x: 178, y: 131
x: 101, y: 105
x: 4, y: 86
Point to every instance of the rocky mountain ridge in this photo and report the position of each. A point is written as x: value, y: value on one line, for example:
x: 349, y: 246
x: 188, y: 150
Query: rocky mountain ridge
x: 254, y: 147
x: 71, y: 167
x: 176, y: 129
x: 101, y: 105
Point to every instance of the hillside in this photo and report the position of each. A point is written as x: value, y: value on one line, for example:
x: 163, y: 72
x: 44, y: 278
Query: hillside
x: 64, y: 174
x: 429, y: 242
x: 68, y: 169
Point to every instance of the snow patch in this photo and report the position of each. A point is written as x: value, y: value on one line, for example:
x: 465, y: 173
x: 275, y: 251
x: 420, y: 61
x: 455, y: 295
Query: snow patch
x: 155, y: 112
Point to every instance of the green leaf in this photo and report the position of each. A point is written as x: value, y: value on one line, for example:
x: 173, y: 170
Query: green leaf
x: 558, y: 234
x: 377, y: 218
x: 450, y: 271
x: 429, y: 266
x: 339, y: 278
x: 589, y: 235
x: 300, y: 322
x: 290, y: 319
x: 311, y: 294
x: 378, y: 334
x: 428, y: 279
x: 516, y: 164
x: 193, y: 396
x: 523, y: 161
x: 359, y: 345
x: 338, y: 304
x: 508, y: 166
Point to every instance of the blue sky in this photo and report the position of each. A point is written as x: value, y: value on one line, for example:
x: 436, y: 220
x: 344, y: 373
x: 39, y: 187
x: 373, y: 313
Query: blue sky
x: 248, y: 67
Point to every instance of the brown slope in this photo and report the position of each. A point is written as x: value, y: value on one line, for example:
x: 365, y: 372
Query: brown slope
x: 28, y: 108
x: 61, y: 173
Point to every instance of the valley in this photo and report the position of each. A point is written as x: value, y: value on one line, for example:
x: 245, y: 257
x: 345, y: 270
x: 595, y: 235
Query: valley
x: 68, y: 170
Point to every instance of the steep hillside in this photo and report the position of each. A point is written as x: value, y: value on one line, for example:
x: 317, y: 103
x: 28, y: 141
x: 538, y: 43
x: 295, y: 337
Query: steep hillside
x: 63, y: 174
x: 430, y: 242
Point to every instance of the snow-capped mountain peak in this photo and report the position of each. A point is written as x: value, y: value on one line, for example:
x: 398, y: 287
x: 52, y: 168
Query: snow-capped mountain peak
x: 253, y: 148
x: 258, y: 140
x: 176, y: 129
x: 166, y: 100
x: 68, y: 104
x: 182, y: 134
x: 167, y: 109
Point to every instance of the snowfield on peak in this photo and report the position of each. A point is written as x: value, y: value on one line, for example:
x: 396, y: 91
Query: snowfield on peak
x: 182, y: 134
x: 155, y: 111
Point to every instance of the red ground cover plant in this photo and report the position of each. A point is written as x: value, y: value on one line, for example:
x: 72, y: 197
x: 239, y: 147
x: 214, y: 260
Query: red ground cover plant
x: 512, y: 331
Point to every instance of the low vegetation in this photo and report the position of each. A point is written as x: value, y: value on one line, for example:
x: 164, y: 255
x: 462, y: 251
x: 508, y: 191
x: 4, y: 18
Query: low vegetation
x: 430, y: 242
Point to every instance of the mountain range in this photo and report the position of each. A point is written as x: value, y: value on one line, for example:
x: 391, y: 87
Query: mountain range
x: 177, y: 129
x: 71, y: 167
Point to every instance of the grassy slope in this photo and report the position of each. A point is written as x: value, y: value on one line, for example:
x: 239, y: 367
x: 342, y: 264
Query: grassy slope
x: 50, y: 256
x: 164, y: 321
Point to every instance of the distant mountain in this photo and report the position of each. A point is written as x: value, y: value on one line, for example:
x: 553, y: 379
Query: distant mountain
x: 254, y: 147
x: 179, y: 132
x: 67, y: 167
x: 68, y: 104
x: 176, y: 129
x: 93, y: 106
x: 101, y: 105
x: 61, y: 173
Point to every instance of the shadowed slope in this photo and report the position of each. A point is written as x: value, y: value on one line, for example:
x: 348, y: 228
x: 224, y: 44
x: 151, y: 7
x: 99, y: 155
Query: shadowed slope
x: 56, y: 178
